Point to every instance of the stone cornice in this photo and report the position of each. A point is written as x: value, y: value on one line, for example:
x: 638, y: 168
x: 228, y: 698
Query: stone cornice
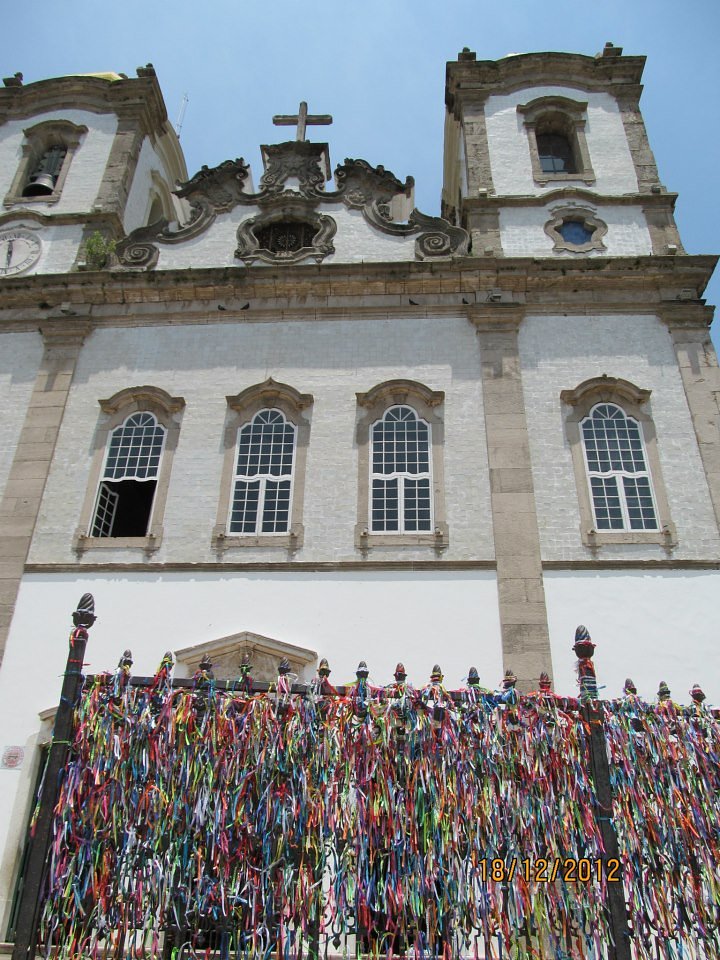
x: 545, y: 285
x: 65, y: 331
x: 680, y: 314
x: 475, y: 80
x: 82, y: 219
x: 489, y: 317
x: 644, y: 200
x: 139, y: 98
x: 310, y: 566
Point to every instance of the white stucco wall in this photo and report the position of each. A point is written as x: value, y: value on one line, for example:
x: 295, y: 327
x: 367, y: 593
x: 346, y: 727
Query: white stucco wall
x: 332, y: 360
x: 355, y: 241
x: 381, y: 617
x: 650, y: 626
x: 522, y: 231
x: 20, y: 355
x: 558, y: 353
x: 510, y: 153
x: 87, y: 166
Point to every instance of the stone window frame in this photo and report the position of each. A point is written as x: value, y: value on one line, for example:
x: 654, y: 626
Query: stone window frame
x: 38, y: 139
x: 115, y: 411
x: 241, y: 409
x: 630, y: 398
x: 567, y: 117
x: 570, y: 212
x: 373, y: 405
x: 291, y: 210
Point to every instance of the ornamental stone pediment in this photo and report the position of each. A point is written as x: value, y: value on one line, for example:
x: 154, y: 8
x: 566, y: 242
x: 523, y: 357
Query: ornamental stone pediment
x: 265, y: 654
x: 291, y: 190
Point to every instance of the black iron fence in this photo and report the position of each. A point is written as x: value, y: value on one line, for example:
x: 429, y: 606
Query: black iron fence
x: 238, y: 818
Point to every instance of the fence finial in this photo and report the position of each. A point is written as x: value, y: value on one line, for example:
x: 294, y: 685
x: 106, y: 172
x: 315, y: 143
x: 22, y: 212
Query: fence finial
x: 629, y: 688
x: 584, y: 649
x: 84, y: 616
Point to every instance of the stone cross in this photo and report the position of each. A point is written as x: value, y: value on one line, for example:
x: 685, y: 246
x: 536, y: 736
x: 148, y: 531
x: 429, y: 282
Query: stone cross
x: 302, y: 118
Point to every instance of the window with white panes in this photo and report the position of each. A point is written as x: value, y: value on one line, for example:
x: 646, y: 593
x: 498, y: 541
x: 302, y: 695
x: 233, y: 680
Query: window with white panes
x: 262, y: 485
x: 620, y: 486
x: 400, y: 477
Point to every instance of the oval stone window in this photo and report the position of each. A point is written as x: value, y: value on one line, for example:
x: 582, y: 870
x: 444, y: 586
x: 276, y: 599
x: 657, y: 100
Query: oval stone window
x: 576, y: 232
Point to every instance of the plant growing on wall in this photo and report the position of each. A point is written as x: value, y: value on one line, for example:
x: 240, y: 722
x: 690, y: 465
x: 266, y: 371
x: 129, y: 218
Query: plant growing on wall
x: 97, y: 250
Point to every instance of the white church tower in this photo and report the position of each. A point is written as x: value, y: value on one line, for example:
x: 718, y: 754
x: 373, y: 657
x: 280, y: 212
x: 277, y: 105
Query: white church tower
x: 305, y: 419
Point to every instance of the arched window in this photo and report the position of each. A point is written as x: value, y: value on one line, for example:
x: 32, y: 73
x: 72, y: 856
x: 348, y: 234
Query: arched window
x: 130, y: 472
x: 129, y: 480
x: 621, y: 494
x: 555, y: 128
x: 401, y: 488
x: 262, y: 487
x: 47, y: 153
x: 620, y: 487
x: 401, y: 480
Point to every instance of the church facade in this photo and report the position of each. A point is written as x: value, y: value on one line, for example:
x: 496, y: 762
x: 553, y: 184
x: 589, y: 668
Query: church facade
x: 302, y: 418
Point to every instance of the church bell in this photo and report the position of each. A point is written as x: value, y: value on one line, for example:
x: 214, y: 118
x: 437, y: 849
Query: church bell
x: 41, y: 186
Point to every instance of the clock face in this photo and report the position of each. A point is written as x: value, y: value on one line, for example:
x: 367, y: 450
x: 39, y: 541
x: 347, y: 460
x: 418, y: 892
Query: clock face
x: 19, y: 250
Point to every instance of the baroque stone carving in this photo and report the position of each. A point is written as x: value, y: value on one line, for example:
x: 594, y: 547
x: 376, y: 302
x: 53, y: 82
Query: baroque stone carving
x: 211, y: 191
x: 298, y: 159
x: 374, y: 191
x: 135, y: 253
x: 359, y: 184
x: 436, y: 237
x: 221, y: 186
x: 250, y: 245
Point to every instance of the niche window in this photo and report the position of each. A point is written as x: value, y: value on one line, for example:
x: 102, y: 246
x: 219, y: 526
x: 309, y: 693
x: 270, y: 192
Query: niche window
x: 401, y: 488
x: 47, y: 153
x: 130, y: 474
x: 555, y: 128
x: 263, y: 482
x: 621, y: 493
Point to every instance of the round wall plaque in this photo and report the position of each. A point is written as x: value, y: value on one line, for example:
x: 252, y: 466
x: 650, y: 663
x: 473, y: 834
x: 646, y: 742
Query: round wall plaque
x: 12, y: 758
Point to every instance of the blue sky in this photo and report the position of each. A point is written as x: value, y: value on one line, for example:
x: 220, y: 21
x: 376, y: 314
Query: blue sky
x: 379, y: 68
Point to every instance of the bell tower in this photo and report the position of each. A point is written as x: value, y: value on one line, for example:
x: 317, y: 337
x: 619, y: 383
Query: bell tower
x: 546, y: 155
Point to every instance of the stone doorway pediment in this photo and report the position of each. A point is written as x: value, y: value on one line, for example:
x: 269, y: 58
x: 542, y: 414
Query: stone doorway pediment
x: 265, y: 654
